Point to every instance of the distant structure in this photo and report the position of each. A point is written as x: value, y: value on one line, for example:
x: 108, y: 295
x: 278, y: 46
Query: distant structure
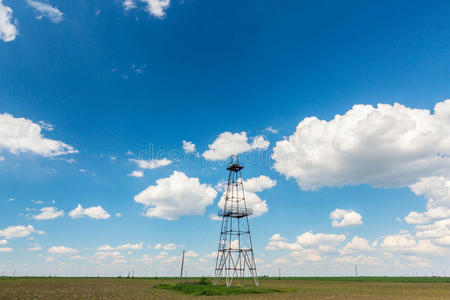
x: 235, y: 253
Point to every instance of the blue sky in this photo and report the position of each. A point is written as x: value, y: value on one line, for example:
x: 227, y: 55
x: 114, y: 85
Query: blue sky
x: 97, y: 97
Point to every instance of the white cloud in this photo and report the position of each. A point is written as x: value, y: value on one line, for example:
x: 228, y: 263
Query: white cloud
x: 136, y: 174
x: 45, y: 10
x: 191, y: 253
x: 2, y: 158
x: 151, y: 164
x: 6, y: 249
x: 405, y: 243
x: 436, y: 189
x: 320, y: 241
x: 61, y: 250
x: 188, y: 147
x: 118, y: 215
x: 385, y: 146
x: 39, y: 202
x: 3, y: 242
x: 157, y: 8
x: 227, y: 144
x: 11, y: 199
x: 127, y: 246
x: 342, y: 217
x: 170, y: 246
x: 95, y: 212
x: 157, y: 246
x: 438, y: 229
x: 18, y: 231
x: 258, y: 184
x: 8, y: 31
x: 357, y: 244
x: 311, y: 240
x: 175, y: 196
x: 48, y: 213
x: 22, y: 135
x: 129, y: 4
x: 271, y: 129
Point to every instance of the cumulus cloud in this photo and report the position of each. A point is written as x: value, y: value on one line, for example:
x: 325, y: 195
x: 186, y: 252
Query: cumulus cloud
x: 136, y: 174
x: 45, y: 10
x: 357, y: 244
x: 384, y: 146
x: 405, y: 243
x: 188, y: 147
x: 62, y: 250
x: 175, y: 196
x: 3, y: 242
x: 436, y: 189
x: 48, y: 213
x: 8, y: 30
x: 152, y: 163
x: 6, y: 249
x: 18, y: 231
x: 253, y: 201
x: 438, y: 229
x: 95, y: 212
x: 258, y: 184
x: 157, y: 8
x: 342, y: 217
x: 22, y: 135
x: 227, y: 144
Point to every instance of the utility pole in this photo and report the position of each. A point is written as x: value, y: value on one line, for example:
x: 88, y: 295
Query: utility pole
x: 279, y: 273
x: 182, y: 266
x: 356, y: 271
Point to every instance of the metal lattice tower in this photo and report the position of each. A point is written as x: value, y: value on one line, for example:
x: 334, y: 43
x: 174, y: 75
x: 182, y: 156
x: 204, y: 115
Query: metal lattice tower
x: 235, y: 253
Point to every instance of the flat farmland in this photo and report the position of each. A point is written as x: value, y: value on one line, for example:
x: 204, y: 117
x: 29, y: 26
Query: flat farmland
x: 299, y: 288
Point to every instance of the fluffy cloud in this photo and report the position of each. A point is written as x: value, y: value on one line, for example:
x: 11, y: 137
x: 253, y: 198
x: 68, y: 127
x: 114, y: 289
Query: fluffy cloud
x: 357, y: 244
x: 228, y: 144
x: 438, y: 229
x: 258, y: 184
x: 152, y: 164
x: 3, y: 242
x: 48, y: 213
x: 6, y: 249
x: 437, y: 191
x: 384, y: 146
x: 157, y: 8
x: 127, y: 246
x: 45, y: 10
x: 61, y: 250
x: 188, y: 147
x: 311, y: 240
x: 18, y: 231
x: 136, y: 174
x: 405, y: 243
x: 176, y: 196
x: 252, y: 185
x: 95, y: 212
x: 22, y: 135
x: 8, y: 31
x: 342, y: 217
